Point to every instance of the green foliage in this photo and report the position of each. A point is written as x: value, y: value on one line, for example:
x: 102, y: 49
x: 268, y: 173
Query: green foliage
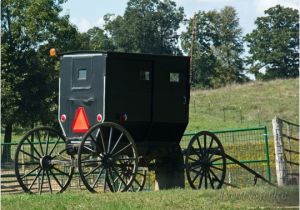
x: 217, y: 47
x: 229, y: 198
x: 147, y: 26
x: 96, y: 39
x: 29, y: 77
x: 274, y: 44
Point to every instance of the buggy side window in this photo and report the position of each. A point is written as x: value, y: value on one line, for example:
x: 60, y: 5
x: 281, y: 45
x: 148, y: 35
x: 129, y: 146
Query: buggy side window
x: 174, y: 77
x: 144, y: 75
x: 82, y: 73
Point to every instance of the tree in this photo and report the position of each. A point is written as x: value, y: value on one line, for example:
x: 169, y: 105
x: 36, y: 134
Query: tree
x: 28, y: 76
x: 203, y: 58
x: 274, y: 44
x: 147, y: 26
x: 218, y: 48
x: 96, y: 39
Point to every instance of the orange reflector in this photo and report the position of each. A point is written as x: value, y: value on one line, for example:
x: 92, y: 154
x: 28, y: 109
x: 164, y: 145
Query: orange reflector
x: 52, y: 52
x: 81, y: 123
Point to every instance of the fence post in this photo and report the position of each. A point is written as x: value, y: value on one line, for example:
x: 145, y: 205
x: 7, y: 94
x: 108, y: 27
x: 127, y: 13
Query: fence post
x: 281, y: 168
x: 267, y: 153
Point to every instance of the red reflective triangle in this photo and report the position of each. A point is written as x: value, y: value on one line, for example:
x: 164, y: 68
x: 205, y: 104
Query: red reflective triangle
x: 80, y: 123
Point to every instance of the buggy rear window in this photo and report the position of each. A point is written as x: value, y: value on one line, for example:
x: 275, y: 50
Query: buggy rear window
x: 82, y: 74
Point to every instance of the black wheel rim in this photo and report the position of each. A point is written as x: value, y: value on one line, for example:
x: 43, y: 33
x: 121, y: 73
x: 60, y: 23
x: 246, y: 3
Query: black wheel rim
x: 107, y: 158
x: 41, y: 162
x: 205, y: 162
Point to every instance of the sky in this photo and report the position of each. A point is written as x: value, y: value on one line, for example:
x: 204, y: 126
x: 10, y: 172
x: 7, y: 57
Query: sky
x: 89, y: 13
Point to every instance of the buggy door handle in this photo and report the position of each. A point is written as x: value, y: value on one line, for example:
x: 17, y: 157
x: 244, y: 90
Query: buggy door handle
x: 91, y: 99
x: 184, y: 100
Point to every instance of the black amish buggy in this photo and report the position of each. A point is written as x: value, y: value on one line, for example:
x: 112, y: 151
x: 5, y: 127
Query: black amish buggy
x: 120, y: 115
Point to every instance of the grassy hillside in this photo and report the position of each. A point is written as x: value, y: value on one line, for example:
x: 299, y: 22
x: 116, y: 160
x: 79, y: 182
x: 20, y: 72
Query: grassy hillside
x: 238, y: 106
x: 255, y: 197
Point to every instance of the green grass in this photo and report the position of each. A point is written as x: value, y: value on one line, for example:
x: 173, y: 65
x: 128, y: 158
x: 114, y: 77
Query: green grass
x: 250, y: 105
x: 255, y: 197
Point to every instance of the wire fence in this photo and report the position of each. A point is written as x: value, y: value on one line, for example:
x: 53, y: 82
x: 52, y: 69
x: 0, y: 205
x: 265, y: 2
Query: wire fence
x: 250, y: 146
x: 228, y: 113
x: 290, y: 133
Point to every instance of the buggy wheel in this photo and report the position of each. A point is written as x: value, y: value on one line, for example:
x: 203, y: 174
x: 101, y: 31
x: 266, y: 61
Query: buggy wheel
x: 205, y: 161
x: 107, y: 158
x: 139, y: 180
x: 41, y: 162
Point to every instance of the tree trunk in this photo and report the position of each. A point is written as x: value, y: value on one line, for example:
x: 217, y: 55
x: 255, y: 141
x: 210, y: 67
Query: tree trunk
x: 6, y: 152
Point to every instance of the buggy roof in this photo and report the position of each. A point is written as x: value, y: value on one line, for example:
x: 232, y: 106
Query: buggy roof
x: 119, y: 54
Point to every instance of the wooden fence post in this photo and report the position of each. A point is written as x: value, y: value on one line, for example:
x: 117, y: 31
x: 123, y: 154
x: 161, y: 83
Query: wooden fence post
x: 280, y: 160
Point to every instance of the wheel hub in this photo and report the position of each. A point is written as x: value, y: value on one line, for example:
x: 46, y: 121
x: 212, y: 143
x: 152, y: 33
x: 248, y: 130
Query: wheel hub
x: 206, y: 163
x: 45, y: 162
x: 107, y: 160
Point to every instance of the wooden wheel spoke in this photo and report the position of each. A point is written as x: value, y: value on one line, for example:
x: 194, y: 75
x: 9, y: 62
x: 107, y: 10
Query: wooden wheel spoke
x: 60, y: 171
x: 200, y: 182
x: 86, y: 147
x: 189, y: 157
x: 109, y: 139
x: 220, y: 169
x: 102, y: 138
x: 98, y: 177
x: 92, y: 171
x: 56, y: 179
x: 200, y: 156
x: 29, y: 163
x: 211, y: 142
x: 43, y: 175
x: 32, y: 146
x: 192, y: 168
x: 112, y: 178
x: 47, y: 143
x: 210, y: 180
x: 40, y: 143
x: 197, y: 174
x: 117, y: 142
x: 26, y: 153
x: 96, y: 143
x: 215, y: 176
x: 213, y: 152
x: 205, y: 180
x: 49, y: 181
x: 54, y: 146
x: 205, y: 143
x: 35, y: 178
x: 216, y: 159
x: 121, y: 150
x: 137, y: 182
x: 30, y: 172
x: 119, y: 176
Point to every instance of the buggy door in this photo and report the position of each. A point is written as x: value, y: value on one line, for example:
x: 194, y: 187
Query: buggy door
x: 171, y: 90
x: 81, y: 92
